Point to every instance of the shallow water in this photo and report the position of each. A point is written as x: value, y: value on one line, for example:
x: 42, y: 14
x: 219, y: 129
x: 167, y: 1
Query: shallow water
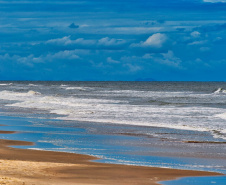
x: 221, y: 180
x: 108, y: 143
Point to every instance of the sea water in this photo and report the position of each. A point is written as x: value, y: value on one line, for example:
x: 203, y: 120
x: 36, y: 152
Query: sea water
x: 164, y: 124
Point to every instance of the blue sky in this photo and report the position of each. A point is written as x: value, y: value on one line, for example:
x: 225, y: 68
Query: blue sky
x: 178, y: 40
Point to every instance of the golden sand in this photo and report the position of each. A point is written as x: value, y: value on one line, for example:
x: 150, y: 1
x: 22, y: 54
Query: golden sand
x: 34, y: 167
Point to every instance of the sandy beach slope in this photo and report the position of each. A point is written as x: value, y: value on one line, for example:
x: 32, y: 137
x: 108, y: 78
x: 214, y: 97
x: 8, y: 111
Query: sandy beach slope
x: 34, y: 167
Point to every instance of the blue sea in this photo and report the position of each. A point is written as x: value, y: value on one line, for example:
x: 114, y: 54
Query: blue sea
x: 179, y: 125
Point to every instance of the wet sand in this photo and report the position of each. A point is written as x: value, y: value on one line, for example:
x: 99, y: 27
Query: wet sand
x: 34, y: 167
x: 6, y: 132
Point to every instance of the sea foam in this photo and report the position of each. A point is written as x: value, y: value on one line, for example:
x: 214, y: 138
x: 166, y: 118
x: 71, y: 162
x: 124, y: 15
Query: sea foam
x: 122, y: 112
x: 220, y: 90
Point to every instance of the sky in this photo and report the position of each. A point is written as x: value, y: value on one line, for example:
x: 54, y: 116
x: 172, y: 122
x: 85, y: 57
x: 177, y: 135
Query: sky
x: 113, y: 40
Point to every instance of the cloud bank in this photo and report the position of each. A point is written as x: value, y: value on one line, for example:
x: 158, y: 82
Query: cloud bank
x: 109, y: 40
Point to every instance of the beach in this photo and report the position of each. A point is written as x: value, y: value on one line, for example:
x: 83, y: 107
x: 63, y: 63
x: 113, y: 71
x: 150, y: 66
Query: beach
x: 112, y: 92
x: 33, y: 167
x: 111, y: 133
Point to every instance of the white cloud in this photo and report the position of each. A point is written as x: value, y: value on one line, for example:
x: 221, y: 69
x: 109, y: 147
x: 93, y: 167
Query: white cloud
x: 65, y: 41
x: 27, y: 61
x: 106, y: 41
x: 198, y: 42
x: 155, y: 41
x: 70, y: 55
x: 82, y: 41
x: 110, y: 60
x: 148, y: 56
x: 110, y: 42
x: 61, y: 41
x: 215, y: 1
x: 170, y: 59
x: 195, y: 34
x: 133, y: 68
x: 30, y: 60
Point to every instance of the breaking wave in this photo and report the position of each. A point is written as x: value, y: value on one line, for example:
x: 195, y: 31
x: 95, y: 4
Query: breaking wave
x: 220, y: 90
x: 115, y: 111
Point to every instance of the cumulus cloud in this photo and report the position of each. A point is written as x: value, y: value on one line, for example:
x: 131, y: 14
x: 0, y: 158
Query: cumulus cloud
x: 198, y: 42
x: 110, y: 60
x: 69, y: 55
x: 103, y: 42
x: 155, y: 41
x: 195, y: 34
x: 66, y: 41
x: 83, y: 41
x: 110, y: 41
x: 133, y: 68
x: 106, y: 39
x: 60, y: 41
x: 169, y: 59
x: 30, y: 60
x: 16, y: 59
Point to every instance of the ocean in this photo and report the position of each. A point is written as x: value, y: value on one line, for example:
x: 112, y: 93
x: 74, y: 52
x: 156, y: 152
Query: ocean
x: 163, y: 124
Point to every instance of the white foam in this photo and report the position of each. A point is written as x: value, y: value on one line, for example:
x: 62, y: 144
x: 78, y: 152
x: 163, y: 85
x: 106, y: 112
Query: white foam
x: 67, y: 87
x: 222, y: 116
x: 33, y: 93
x: 5, y: 84
x: 76, y: 88
x: 220, y: 90
x: 32, y: 85
x: 121, y: 112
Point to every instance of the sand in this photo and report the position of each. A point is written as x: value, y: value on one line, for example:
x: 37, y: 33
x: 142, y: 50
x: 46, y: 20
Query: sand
x: 35, y: 167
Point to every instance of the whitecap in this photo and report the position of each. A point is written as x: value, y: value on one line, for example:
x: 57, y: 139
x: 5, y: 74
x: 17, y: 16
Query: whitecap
x: 121, y: 112
x: 32, y: 85
x: 4, y: 84
x: 220, y: 90
x: 33, y: 93
x: 75, y: 88
x: 222, y: 116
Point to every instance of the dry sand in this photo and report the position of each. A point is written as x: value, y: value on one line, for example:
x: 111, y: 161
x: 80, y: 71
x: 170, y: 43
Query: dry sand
x: 34, y: 167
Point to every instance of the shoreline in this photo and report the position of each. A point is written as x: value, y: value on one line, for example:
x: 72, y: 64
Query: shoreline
x: 25, y: 166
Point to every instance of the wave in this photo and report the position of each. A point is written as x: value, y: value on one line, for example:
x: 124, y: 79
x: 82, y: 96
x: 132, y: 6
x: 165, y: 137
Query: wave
x: 33, y: 93
x: 91, y: 109
x: 222, y: 116
x: 76, y: 88
x: 220, y: 90
x: 6, y: 84
x: 32, y: 85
